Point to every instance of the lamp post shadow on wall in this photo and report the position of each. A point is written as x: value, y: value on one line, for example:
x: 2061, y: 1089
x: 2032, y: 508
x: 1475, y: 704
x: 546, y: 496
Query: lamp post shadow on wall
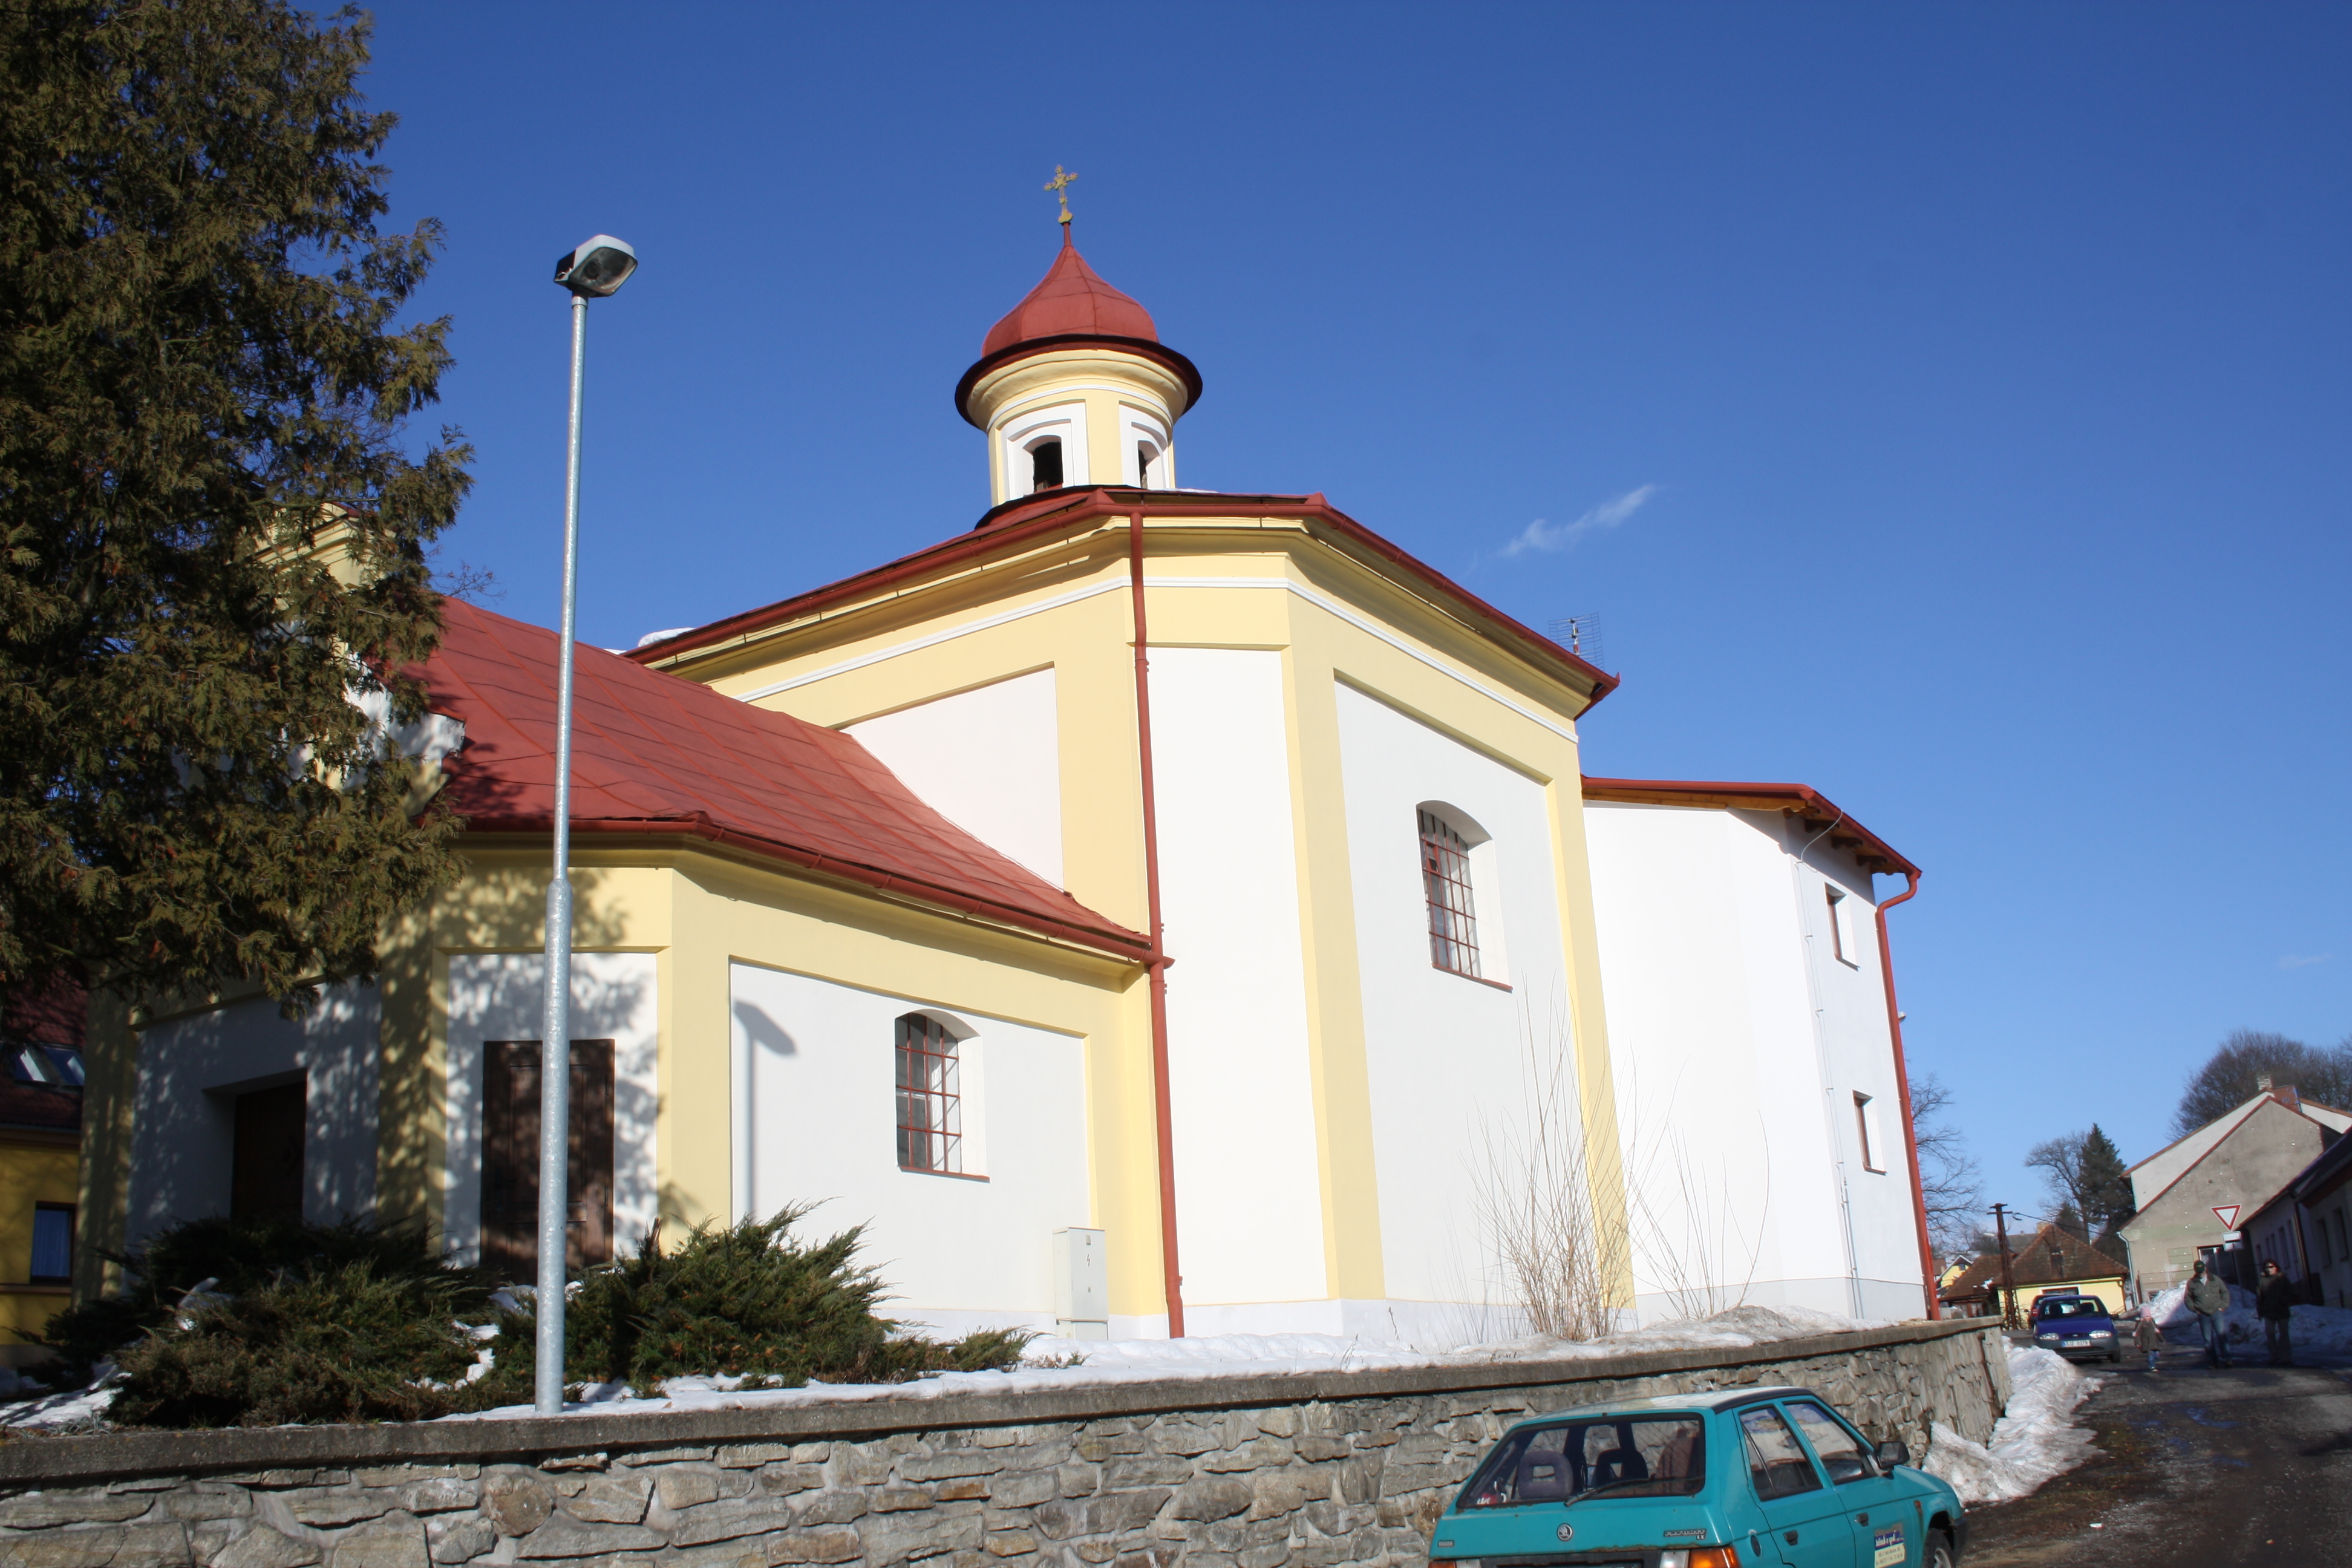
x: 591, y: 271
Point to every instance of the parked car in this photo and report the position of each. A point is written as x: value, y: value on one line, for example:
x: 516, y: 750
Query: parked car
x: 1727, y: 1479
x: 2078, y: 1327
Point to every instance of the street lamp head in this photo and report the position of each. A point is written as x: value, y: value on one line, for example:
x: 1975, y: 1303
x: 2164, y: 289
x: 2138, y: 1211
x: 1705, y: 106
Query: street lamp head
x: 597, y: 267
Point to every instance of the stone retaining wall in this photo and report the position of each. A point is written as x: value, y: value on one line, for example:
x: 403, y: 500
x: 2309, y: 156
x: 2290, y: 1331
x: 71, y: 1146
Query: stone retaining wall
x: 1312, y: 1470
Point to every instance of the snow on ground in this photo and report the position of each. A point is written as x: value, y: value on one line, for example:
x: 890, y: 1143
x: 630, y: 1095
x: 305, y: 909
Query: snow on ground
x: 1097, y: 1361
x: 2034, y: 1440
x: 2319, y: 1330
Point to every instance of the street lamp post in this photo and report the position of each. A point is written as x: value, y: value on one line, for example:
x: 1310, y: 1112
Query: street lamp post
x: 590, y: 272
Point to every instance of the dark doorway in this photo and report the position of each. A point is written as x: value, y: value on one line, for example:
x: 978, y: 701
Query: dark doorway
x: 510, y: 1157
x: 266, y: 1158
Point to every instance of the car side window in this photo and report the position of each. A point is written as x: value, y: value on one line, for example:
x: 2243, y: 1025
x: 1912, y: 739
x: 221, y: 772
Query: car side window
x: 1775, y: 1463
x: 1841, y: 1455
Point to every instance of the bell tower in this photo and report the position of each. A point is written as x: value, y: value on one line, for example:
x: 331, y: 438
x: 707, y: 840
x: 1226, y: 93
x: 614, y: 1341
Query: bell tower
x: 1074, y: 386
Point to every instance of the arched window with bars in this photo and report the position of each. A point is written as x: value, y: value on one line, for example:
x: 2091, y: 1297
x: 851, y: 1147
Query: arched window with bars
x: 1453, y: 906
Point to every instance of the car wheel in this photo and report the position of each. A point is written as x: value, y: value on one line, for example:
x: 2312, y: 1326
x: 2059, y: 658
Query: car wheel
x: 1940, y: 1551
x: 2115, y: 1357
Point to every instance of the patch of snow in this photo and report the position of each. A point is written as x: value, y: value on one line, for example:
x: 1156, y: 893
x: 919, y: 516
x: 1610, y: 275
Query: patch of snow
x: 72, y: 1409
x: 652, y: 637
x: 2034, y: 1440
x: 2322, y: 1331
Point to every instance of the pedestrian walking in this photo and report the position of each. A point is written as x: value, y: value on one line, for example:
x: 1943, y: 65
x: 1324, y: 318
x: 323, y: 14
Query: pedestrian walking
x: 2150, y: 1334
x: 2277, y: 1305
x: 2210, y: 1299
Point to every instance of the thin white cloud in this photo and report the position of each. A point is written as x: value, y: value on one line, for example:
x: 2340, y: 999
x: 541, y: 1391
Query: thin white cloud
x: 2301, y: 959
x: 1541, y: 535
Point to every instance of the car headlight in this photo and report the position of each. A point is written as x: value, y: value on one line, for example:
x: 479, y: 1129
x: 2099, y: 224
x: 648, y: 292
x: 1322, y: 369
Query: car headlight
x: 2102, y: 1333
x: 2045, y: 1336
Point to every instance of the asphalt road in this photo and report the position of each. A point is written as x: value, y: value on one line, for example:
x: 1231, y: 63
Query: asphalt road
x: 2197, y: 1468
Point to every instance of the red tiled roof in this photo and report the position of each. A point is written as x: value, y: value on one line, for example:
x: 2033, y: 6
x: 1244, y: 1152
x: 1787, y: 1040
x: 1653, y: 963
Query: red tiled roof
x: 1070, y: 301
x: 1792, y: 798
x: 654, y: 753
x: 49, y: 1108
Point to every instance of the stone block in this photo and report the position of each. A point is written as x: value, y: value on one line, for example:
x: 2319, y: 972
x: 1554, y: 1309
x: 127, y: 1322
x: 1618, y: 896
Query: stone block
x: 783, y: 1480
x: 900, y: 1499
x: 458, y: 1539
x: 262, y: 1547
x: 731, y: 1520
x: 1253, y: 1455
x: 954, y: 1462
x: 1273, y: 1555
x: 1211, y: 1498
x: 595, y: 1461
x: 1315, y: 1449
x: 888, y: 1538
x: 402, y: 1475
x: 438, y: 1494
x: 1175, y: 1436
x: 751, y: 1456
x: 394, y: 1541
x: 1009, y: 1544
x: 1281, y: 1421
x: 1274, y: 1493
x: 516, y: 1500
x: 328, y: 1510
x: 564, y: 1536
x: 611, y: 1500
x: 833, y: 1545
x: 857, y: 1464
x: 685, y: 1486
x: 1021, y: 1488
x: 1094, y: 1551
x: 195, y: 1505
x: 1147, y: 1470
x: 1079, y: 1480
x: 666, y: 1456
x: 1107, y: 1513
x: 39, y: 1510
x: 972, y: 1488
x: 839, y: 1507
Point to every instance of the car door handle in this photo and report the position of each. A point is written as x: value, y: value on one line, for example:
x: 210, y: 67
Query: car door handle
x: 1862, y: 1519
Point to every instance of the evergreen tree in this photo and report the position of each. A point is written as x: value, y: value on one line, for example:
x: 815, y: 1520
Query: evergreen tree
x: 2106, y: 1190
x: 199, y: 374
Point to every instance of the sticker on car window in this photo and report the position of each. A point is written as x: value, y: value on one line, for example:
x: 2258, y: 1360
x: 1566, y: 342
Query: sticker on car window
x: 1889, y: 1545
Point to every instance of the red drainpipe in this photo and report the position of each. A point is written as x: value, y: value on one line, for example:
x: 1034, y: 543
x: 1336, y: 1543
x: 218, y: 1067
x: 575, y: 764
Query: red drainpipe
x: 1902, y: 1087
x: 1163, y: 1118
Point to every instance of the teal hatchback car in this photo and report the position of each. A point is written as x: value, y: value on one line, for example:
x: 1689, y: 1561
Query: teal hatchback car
x: 1728, y: 1480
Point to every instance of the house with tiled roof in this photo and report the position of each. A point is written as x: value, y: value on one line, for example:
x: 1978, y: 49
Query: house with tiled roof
x: 2194, y: 1195
x: 1193, y: 882
x: 40, y: 1160
x: 2051, y: 1260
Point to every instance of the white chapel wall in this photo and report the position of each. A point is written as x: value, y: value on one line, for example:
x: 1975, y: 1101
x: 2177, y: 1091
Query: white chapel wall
x: 1248, y: 1181
x: 1736, y: 1042
x: 817, y: 1121
x: 1448, y: 1057
x: 499, y: 996
x: 987, y: 759
x: 191, y: 1071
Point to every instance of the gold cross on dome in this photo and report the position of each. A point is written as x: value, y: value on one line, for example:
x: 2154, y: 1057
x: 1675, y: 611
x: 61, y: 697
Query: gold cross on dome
x: 1060, y: 186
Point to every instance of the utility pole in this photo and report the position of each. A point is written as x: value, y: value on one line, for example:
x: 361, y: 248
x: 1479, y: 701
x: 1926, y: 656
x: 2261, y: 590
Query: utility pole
x: 2008, y: 1287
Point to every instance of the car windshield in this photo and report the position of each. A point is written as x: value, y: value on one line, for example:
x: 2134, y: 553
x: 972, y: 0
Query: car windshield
x: 2084, y: 1308
x: 1623, y: 1456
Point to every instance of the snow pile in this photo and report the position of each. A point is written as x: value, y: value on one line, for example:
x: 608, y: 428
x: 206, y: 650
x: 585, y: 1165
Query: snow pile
x: 2034, y: 1441
x: 2321, y: 1330
x: 1050, y: 1362
x: 66, y: 1410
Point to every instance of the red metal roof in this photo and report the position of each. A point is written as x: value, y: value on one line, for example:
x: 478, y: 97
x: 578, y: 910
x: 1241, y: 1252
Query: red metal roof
x: 1794, y: 798
x: 654, y: 753
x: 1072, y: 300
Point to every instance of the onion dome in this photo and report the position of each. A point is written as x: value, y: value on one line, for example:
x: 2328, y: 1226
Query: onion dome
x: 1072, y: 308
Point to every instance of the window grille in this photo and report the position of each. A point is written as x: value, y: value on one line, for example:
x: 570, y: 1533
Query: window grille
x: 1446, y: 875
x: 930, y: 1097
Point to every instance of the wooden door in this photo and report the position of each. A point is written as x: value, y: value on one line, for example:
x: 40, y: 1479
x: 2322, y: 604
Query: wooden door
x: 266, y: 1153
x: 510, y: 1158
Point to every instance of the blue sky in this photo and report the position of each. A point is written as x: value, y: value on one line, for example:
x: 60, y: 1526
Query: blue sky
x: 1943, y: 406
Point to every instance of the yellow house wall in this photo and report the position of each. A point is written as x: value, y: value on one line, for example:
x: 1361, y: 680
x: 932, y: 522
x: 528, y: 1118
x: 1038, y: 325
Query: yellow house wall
x: 859, y: 662
x: 30, y: 1172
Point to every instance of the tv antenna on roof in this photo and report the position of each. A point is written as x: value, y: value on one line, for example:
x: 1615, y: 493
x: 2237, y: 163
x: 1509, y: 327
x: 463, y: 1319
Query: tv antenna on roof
x: 1582, y: 635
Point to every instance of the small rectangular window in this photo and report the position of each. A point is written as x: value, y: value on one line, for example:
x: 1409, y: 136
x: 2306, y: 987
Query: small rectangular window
x: 53, y: 1241
x: 1445, y: 879
x: 1866, y: 1121
x: 930, y: 1097
x: 1842, y: 942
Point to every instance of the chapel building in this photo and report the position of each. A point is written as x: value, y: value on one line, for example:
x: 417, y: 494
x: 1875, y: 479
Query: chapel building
x: 1146, y: 908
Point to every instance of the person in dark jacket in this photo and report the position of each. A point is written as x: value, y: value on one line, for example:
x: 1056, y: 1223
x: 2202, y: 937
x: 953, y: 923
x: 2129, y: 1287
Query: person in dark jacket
x: 2210, y: 1299
x: 2277, y: 1305
x: 2149, y: 1335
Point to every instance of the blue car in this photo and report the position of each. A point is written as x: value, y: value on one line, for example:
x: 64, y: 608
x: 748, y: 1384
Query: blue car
x: 1727, y: 1479
x: 2078, y: 1327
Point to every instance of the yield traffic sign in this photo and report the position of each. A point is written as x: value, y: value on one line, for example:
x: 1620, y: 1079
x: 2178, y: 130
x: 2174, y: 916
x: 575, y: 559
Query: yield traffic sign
x: 2228, y: 1214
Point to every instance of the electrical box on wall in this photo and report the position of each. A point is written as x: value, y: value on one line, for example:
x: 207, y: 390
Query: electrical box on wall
x: 1081, y: 1285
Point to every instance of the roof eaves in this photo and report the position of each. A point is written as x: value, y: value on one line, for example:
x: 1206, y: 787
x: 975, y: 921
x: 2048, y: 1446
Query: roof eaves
x: 1789, y: 798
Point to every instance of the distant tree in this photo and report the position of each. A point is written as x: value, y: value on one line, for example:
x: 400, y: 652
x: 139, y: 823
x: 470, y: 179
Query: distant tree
x: 2069, y: 1219
x: 2233, y: 1075
x: 1948, y: 1172
x: 2060, y: 1161
x: 2106, y: 1190
x: 200, y: 370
